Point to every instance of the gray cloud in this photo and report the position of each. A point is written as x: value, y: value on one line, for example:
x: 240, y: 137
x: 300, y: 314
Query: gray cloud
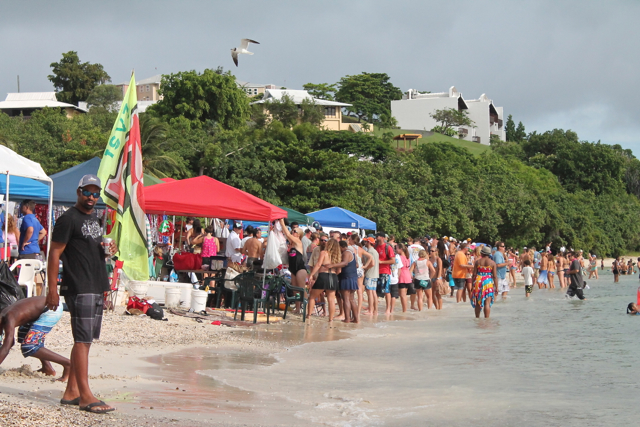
x: 570, y: 64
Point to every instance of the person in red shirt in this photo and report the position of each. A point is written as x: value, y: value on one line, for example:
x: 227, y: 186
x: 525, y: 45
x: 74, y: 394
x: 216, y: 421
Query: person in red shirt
x: 387, y: 257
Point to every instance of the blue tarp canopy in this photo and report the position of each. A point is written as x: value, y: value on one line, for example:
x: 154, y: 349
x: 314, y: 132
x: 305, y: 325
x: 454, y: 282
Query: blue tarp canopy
x: 342, y: 218
x: 24, y: 188
x: 65, y: 183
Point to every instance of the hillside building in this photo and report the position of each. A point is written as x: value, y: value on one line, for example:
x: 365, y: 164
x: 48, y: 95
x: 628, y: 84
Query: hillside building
x: 414, y: 109
x: 25, y: 103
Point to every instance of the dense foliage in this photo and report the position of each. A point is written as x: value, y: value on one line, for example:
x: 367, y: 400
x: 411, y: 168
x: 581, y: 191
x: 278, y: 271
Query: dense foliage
x: 74, y: 80
x: 543, y: 187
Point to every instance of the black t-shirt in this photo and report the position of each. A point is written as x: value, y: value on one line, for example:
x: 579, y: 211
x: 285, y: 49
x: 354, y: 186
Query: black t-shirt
x: 576, y: 278
x: 83, y: 257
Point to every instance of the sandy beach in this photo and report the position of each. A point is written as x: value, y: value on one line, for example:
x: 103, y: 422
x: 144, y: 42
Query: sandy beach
x: 139, y: 363
x: 117, y: 362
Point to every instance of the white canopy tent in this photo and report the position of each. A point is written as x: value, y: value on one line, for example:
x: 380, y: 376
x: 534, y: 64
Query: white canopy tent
x: 13, y: 164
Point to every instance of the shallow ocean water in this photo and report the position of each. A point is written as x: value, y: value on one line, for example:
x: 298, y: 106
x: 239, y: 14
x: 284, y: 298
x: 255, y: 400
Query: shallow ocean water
x: 542, y: 361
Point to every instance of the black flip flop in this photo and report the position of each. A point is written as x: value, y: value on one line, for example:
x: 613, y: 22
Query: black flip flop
x: 90, y: 406
x: 72, y: 402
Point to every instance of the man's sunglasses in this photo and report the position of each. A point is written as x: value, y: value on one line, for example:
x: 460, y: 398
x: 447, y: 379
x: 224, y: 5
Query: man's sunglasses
x: 324, y: 240
x: 87, y: 193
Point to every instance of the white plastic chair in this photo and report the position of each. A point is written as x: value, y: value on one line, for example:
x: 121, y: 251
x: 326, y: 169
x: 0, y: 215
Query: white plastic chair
x: 28, y: 269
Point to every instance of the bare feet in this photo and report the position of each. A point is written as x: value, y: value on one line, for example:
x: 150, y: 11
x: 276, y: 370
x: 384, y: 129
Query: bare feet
x: 48, y: 370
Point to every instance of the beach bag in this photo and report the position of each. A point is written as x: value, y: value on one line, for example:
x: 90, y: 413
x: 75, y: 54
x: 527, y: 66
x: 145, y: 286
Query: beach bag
x: 281, y: 241
x: 187, y: 261
x: 154, y: 311
x: 10, y: 291
x: 272, y: 258
x: 229, y: 275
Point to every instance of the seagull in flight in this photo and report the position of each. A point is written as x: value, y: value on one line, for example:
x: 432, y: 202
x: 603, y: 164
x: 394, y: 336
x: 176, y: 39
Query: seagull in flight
x: 244, y: 44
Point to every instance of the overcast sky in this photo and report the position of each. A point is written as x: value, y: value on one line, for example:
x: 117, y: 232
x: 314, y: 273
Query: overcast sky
x: 552, y: 64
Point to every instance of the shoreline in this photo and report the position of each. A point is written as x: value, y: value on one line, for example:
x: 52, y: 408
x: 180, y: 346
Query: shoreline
x: 125, y: 366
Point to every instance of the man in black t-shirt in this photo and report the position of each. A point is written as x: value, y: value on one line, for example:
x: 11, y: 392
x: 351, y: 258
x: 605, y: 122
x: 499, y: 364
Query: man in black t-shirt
x: 77, y: 241
x: 575, y: 275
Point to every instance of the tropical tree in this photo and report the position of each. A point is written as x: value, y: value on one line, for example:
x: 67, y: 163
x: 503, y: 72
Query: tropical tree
x: 321, y: 90
x: 104, y: 98
x: 450, y: 118
x: 156, y: 159
x: 212, y: 95
x: 510, y: 129
x: 370, y: 95
x: 74, y: 80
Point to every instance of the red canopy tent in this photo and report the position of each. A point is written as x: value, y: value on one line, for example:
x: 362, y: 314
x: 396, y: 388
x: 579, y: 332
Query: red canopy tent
x: 204, y: 196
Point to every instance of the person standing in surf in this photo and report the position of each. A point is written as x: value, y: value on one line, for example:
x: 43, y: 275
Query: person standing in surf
x: 484, y: 276
x: 576, y: 283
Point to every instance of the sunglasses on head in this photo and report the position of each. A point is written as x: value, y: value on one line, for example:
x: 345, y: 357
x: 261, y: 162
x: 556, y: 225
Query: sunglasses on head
x: 87, y: 193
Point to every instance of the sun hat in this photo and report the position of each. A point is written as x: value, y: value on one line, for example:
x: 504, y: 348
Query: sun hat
x: 370, y: 240
x: 486, y: 250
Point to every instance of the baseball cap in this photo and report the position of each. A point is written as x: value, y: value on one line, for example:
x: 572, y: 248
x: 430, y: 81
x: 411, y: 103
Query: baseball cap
x: 89, y: 179
x: 369, y: 239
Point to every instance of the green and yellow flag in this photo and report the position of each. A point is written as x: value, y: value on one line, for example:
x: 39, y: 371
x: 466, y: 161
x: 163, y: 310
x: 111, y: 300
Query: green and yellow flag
x: 121, y: 174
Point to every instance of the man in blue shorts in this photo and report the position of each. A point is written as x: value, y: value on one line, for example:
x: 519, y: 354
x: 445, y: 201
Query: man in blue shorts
x: 35, y: 321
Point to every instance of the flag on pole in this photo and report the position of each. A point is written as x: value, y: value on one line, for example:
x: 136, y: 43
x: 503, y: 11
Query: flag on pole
x: 122, y: 187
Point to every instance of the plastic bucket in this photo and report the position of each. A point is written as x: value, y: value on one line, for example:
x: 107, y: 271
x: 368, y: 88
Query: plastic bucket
x: 198, y: 300
x: 171, y: 297
x: 139, y: 289
x: 185, y: 297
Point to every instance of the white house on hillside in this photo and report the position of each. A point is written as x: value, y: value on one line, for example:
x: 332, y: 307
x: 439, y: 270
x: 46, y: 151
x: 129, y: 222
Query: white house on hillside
x: 25, y: 103
x: 414, y: 109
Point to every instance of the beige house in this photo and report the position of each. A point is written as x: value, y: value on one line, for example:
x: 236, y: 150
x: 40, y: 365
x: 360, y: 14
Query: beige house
x: 25, y: 103
x: 332, y: 109
x: 146, y: 89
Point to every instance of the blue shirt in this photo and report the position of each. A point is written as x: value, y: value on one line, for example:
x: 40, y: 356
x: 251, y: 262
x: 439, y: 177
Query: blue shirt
x: 32, y: 246
x: 498, y: 257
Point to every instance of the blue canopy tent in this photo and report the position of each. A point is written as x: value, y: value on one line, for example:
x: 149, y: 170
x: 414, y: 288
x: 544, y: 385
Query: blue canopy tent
x: 342, y: 218
x: 65, y: 183
x: 23, y: 178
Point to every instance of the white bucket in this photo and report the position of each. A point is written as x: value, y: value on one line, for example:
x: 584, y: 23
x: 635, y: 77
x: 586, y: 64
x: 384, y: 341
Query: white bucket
x: 185, y: 297
x: 171, y: 297
x: 198, y: 300
x: 138, y: 289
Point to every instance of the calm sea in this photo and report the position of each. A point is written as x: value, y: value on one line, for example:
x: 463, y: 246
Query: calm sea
x: 542, y: 361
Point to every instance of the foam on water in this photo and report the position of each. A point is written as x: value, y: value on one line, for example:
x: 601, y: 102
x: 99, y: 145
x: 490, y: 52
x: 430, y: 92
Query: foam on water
x: 542, y: 361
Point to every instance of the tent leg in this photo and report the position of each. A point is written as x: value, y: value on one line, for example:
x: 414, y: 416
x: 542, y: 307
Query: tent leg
x: 6, y: 223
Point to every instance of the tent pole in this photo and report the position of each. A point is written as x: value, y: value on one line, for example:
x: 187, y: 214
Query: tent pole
x: 181, y: 228
x: 173, y: 235
x: 6, y: 223
x: 45, y: 288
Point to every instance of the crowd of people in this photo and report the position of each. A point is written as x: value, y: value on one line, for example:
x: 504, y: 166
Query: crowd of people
x: 345, y: 275
x: 24, y: 235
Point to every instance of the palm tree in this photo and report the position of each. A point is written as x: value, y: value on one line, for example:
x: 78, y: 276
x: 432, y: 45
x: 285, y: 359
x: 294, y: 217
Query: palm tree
x: 154, y: 142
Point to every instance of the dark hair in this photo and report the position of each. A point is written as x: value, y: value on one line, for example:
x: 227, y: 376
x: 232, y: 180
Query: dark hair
x: 197, y: 226
x: 343, y: 244
x: 249, y: 229
x: 294, y: 224
x: 441, y: 249
x: 189, y: 218
x: 306, y: 230
x: 630, y: 308
x: 255, y: 232
x: 355, y: 239
x: 209, y: 229
x: 30, y: 204
x: 527, y: 262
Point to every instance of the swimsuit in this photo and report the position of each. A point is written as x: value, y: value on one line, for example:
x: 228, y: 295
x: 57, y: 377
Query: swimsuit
x: 349, y: 275
x: 296, y: 261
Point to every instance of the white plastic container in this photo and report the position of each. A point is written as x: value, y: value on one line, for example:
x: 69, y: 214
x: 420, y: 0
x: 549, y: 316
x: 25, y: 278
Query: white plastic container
x: 172, y: 297
x: 185, y: 297
x: 198, y: 300
x: 138, y: 288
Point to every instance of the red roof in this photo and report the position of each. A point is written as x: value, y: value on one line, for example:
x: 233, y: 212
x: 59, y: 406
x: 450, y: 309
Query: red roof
x: 206, y: 197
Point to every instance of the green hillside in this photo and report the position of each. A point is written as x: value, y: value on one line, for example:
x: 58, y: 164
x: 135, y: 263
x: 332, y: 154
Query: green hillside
x: 473, y: 147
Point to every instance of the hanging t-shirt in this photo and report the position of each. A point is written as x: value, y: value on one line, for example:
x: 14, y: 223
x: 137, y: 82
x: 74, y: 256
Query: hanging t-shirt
x: 83, y: 257
x: 32, y: 246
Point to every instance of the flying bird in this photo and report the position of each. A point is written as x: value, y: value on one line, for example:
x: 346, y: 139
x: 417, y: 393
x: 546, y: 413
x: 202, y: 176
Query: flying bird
x: 244, y: 44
